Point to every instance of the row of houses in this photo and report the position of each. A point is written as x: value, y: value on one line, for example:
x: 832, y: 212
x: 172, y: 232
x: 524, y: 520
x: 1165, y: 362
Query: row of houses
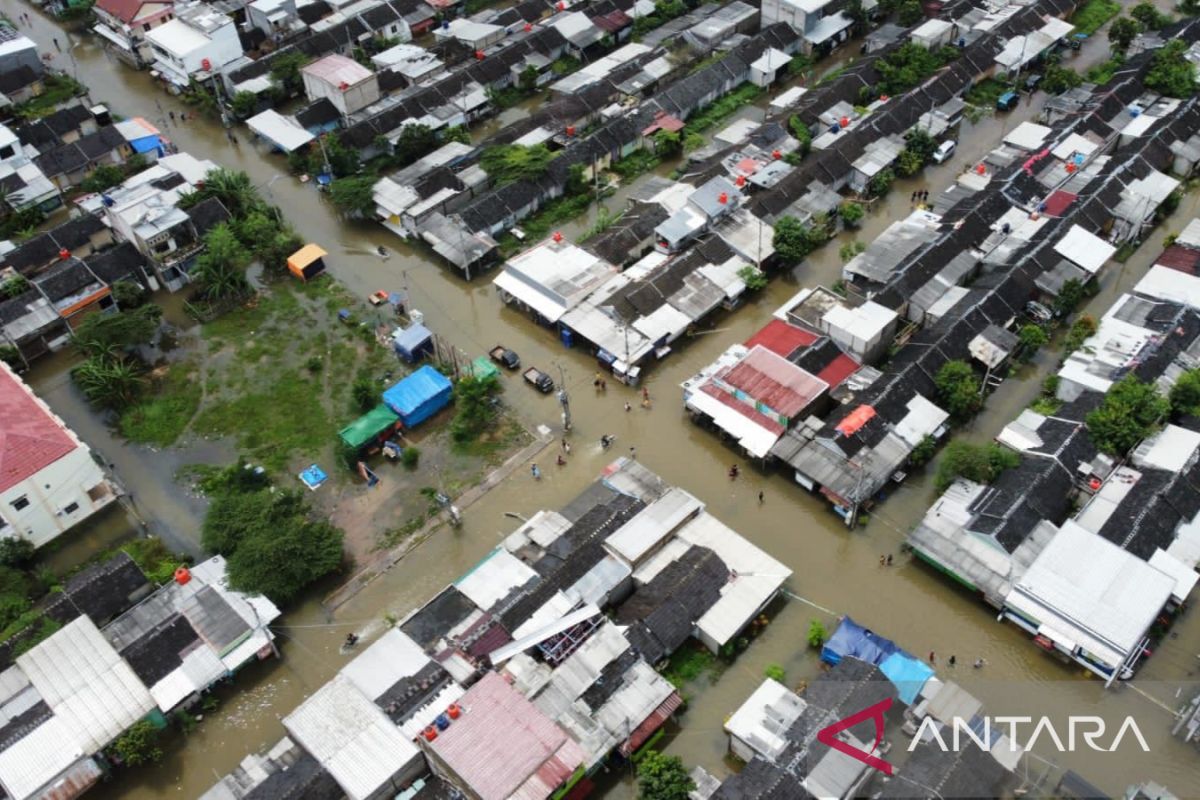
x: 536, y: 668
x: 1036, y: 213
x: 135, y: 232
x: 935, y: 737
x: 124, y: 651
x: 1018, y: 542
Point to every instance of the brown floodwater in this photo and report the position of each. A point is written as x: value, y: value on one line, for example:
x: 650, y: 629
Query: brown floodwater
x: 836, y: 570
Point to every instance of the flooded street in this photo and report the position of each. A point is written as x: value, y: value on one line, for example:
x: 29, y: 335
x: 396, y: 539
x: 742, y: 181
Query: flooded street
x: 834, y: 568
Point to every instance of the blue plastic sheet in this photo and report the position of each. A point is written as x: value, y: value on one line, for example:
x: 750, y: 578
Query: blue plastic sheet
x: 419, y: 396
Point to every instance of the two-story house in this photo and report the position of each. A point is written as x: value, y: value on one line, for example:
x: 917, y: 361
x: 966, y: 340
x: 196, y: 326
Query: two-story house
x: 196, y: 44
x: 123, y: 24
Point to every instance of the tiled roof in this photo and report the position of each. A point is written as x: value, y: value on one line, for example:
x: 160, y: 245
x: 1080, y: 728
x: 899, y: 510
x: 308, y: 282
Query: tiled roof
x: 31, y: 439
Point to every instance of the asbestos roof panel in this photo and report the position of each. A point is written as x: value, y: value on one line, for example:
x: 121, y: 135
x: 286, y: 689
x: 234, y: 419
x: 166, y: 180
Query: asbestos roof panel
x: 1085, y: 249
x: 37, y: 758
x: 494, y: 578
x: 652, y: 525
x: 351, y: 737
x: 87, y: 685
x: 389, y: 659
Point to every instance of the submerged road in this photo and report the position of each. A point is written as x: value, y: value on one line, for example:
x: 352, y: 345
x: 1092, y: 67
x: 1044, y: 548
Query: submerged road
x: 835, y: 569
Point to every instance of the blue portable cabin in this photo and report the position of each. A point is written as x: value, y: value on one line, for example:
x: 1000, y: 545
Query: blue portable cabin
x: 419, y: 396
x: 412, y: 343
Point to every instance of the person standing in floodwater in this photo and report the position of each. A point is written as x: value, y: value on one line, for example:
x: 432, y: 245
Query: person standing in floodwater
x: 537, y: 473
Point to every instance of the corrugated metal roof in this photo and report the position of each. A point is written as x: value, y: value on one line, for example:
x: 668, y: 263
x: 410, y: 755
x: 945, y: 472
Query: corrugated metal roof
x: 771, y: 384
x: 351, y: 737
x: 392, y: 657
x: 633, y: 540
x: 36, y: 759
x: 86, y: 684
x: 494, y: 578
x: 503, y: 746
x: 781, y: 338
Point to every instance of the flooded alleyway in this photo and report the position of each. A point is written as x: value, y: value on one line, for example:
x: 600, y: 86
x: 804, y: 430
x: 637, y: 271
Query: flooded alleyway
x: 834, y: 568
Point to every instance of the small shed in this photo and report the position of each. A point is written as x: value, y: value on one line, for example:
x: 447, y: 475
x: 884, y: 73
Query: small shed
x: 419, y: 396
x: 308, y: 262
x: 993, y: 346
x: 413, y: 342
x: 373, y: 427
x: 483, y: 367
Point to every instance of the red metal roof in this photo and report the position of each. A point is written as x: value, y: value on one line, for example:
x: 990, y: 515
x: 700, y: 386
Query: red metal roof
x: 855, y: 420
x: 503, y: 745
x: 766, y: 379
x: 781, y: 338
x: 838, y: 370
x: 1177, y: 257
x: 651, y: 723
x: 126, y: 10
x: 31, y: 438
x: 748, y: 411
x: 1057, y: 203
x: 613, y: 21
x: 663, y: 122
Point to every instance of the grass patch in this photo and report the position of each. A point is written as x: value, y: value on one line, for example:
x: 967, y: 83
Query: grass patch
x: 1103, y: 73
x: 493, y: 442
x: 1047, y: 406
x: 537, y: 226
x: 637, y: 163
x: 57, y: 89
x: 1093, y: 14
x: 723, y: 108
x: 162, y: 417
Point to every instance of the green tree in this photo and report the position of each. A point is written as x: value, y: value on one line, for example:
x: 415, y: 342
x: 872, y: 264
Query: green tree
x: 1150, y: 17
x: 817, y: 633
x: 272, y: 544
x: 802, y: 133
x: 775, y: 672
x: 233, y: 188
x: 793, y: 240
x: 921, y: 144
x: 923, y: 452
x: 1127, y: 415
x: 1170, y: 73
x: 529, y: 78
x: 693, y: 141
x: 852, y: 213
x: 754, y: 278
x: 459, y: 133
x: 285, y: 71
x: 128, y: 294
x: 243, y: 104
x: 1032, y: 338
x: 662, y: 777
x: 110, y: 334
x: 959, y: 389
x: 1069, y: 297
x: 138, y: 745
x: 1081, y: 330
x: 1185, y: 395
x: 910, y: 12
x: 474, y: 410
x: 881, y: 183
x: 220, y: 271
x: 509, y: 163
x: 102, y: 177
x: 1057, y: 79
x: 1122, y: 32
x: 909, y: 163
x: 108, y: 382
x: 354, y: 196
x: 909, y: 65
x: 415, y: 142
x: 979, y: 463
x: 14, y: 286
x: 16, y: 552
x: 667, y: 144
x: 365, y: 393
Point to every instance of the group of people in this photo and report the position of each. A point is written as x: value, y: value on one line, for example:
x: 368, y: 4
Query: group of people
x: 920, y: 196
x: 953, y: 661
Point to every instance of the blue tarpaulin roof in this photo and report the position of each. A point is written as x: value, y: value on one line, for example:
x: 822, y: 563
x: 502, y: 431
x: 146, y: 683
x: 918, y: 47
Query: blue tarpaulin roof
x: 145, y: 144
x: 852, y: 639
x: 410, y: 341
x: 419, y: 396
x: 906, y: 673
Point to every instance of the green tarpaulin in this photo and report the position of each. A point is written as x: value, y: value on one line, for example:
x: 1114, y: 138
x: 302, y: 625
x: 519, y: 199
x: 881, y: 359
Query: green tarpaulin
x: 482, y: 367
x: 368, y: 426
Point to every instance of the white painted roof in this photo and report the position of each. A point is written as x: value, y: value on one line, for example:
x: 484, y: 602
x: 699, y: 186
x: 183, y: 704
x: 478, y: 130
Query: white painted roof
x: 351, y: 737
x: 553, y: 277
x: 758, y: 577
x: 1170, y: 284
x: 1170, y: 449
x: 1073, y: 144
x: 37, y: 758
x: 1027, y: 136
x: 87, y: 685
x: 763, y: 720
x: 923, y: 419
x: 177, y: 37
x: 652, y: 525
x: 389, y: 659
x: 1185, y: 577
x: 1190, y: 235
x: 754, y: 439
x: 280, y: 130
x: 1085, y: 249
x: 789, y: 98
x: 494, y: 578
x: 1096, y: 595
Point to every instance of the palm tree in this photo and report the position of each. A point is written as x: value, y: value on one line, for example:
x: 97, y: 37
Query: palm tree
x: 233, y: 189
x: 109, y: 382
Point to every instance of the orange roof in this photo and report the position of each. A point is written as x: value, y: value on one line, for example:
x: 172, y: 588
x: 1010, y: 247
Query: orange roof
x: 855, y: 420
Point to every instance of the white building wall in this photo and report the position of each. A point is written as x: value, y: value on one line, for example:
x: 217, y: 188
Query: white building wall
x: 58, y: 497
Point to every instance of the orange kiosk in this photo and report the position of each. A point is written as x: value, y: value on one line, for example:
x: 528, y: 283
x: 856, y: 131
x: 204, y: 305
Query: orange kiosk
x: 307, y: 262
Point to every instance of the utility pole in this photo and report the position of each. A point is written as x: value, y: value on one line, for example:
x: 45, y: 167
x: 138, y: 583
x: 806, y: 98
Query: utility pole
x: 564, y: 399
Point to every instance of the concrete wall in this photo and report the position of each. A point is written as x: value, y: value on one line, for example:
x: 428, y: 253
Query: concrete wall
x: 50, y: 512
